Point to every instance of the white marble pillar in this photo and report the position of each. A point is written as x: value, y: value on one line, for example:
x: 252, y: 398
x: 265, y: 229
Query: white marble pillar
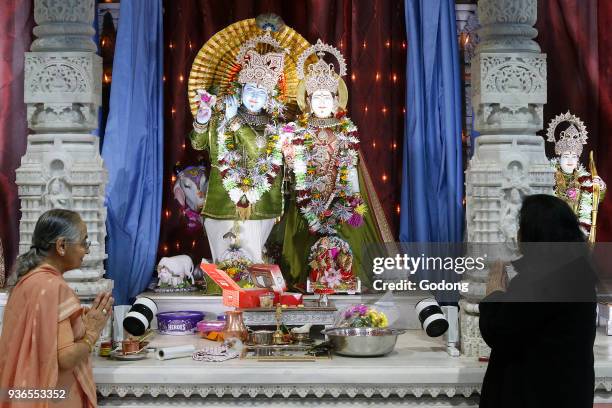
x: 2, y: 267
x: 509, y: 162
x: 62, y: 167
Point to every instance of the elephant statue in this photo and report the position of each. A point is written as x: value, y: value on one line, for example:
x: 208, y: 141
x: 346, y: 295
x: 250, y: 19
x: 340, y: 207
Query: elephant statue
x: 173, y: 270
x: 189, y: 190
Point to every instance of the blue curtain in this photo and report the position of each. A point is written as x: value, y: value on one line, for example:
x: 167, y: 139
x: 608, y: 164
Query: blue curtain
x: 133, y: 148
x: 432, y: 180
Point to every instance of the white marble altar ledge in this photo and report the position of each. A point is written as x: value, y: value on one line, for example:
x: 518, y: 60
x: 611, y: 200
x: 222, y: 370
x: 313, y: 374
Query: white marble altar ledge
x: 168, y: 302
x: 419, y: 369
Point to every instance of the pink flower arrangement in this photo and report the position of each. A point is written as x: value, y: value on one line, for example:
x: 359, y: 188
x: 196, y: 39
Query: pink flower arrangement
x: 572, y: 193
x: 357, y: 310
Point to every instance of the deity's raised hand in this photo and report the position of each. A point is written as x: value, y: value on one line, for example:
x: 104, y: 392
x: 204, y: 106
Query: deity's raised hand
x: 597, y: 180
x: 205, y: 102
x: 231, y: 107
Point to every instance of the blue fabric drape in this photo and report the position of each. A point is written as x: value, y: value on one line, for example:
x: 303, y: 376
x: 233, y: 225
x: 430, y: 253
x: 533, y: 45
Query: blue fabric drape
x: 133, y: 148
x: 432, y: 182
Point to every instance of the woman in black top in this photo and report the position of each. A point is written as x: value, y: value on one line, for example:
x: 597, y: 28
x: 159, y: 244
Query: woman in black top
x: 541, y: 329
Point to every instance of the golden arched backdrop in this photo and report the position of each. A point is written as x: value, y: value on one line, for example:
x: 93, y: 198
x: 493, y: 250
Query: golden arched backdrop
x: 216, y: 61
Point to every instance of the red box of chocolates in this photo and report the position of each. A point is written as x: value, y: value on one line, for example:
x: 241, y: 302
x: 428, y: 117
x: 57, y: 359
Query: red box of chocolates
x: 234, y: 295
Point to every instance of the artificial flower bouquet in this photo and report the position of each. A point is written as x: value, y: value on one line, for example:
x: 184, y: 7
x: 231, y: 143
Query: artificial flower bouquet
x: 235, y: 263
x: 237, y: 269
x: 363, y: 316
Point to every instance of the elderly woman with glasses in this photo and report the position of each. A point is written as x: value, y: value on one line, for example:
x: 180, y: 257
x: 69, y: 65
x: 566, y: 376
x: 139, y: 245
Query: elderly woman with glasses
x: 47, y: 337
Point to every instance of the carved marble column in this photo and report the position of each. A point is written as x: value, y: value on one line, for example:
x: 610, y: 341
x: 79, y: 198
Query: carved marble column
x: 509, y: 93
x: 62, y: 167
x: 2, y: 268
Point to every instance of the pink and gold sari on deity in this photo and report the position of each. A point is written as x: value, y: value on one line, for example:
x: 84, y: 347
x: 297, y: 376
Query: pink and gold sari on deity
x: 42, y: 316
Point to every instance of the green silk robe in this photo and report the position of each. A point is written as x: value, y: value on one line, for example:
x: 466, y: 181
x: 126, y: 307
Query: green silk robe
x: 217, y: 203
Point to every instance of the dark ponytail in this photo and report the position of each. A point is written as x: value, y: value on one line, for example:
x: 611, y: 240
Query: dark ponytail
x: 51, y: 226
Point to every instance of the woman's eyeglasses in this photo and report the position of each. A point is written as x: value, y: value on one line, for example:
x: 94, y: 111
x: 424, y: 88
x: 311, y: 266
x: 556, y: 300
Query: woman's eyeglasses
x: 85, y: 244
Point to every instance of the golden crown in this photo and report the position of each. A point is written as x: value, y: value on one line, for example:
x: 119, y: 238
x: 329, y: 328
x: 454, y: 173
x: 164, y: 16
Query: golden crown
x: 262, y: 69
x: 321, y: 75
x: 572, y: 138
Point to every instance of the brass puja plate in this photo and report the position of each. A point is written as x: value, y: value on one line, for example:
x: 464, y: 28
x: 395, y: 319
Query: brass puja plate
x: 118, y: 355
x: 280, y: 353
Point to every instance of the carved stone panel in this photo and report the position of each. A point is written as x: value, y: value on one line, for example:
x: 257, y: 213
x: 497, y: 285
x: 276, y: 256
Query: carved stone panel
x: 2, y: 267
x: 73, y: 77
x: 56, y: 117
x: 64, y: 25
x: 516, y: 78
x: 508, y: 12
x: 66, y: 171
x: 509, y: 90
x: 64, y: 11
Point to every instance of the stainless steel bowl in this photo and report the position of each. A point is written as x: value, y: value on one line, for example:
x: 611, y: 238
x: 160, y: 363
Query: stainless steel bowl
x: 261, y: 337
x: 363, y: 342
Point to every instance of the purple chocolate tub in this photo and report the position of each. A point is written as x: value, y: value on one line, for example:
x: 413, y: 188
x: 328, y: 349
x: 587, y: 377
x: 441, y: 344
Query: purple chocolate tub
x: 207, y: 326
x: 178, y: 323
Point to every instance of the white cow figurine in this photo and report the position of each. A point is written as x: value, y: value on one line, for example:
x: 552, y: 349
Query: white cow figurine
x: 173, y: 270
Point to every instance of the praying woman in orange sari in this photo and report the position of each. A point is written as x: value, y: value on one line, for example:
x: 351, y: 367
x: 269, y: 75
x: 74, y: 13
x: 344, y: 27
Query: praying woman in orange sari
x: 47, y: 337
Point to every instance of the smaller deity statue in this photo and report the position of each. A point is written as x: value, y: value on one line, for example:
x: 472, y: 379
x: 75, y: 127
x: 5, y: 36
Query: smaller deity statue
x: 581, y: 189
x: 58, y: 194
x: 510, y: 213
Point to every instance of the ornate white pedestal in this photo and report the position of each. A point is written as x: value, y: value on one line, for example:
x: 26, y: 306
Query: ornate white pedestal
x: 62, y: 167
x: 509, y: 162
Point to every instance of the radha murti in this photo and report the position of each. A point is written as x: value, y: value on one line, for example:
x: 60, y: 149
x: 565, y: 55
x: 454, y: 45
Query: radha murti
x: 328, y: 220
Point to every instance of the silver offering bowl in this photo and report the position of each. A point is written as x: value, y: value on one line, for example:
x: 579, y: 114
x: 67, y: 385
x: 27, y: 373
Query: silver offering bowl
x: 363, y: 341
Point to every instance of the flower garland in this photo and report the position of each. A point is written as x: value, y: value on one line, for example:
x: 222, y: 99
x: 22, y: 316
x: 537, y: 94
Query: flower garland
x: 343, y: 205
x: 578, y: 193
x: 245, y: 184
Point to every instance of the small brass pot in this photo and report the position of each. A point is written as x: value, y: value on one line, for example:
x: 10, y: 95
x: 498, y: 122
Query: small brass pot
x: 130, y: 346
x: 235, y: 326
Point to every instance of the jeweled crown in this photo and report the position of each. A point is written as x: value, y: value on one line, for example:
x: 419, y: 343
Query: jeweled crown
x: 572, y: 138
x: 321, y: 75
x: 265, y: 70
